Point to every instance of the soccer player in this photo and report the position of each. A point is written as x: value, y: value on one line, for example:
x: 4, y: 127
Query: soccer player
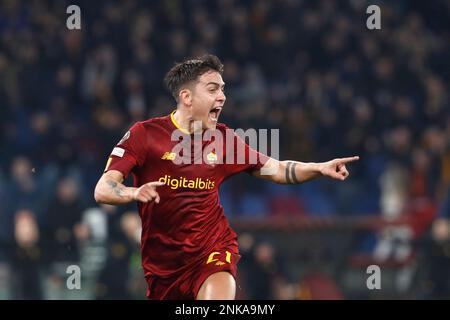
x: 188, y: 249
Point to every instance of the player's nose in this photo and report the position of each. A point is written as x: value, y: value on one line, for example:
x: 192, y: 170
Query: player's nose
x: 221, y: 97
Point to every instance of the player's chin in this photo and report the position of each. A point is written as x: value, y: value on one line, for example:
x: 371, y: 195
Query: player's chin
x: 210, y: 124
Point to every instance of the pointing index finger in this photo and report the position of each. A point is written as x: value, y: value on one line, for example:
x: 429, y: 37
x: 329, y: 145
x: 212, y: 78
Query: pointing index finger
x: 156, y: 183
x: 349, y: 159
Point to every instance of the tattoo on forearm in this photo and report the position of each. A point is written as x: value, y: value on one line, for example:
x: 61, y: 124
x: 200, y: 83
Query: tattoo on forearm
x: 291, y: 178
x: 288, y: 179
x: 117, y: 189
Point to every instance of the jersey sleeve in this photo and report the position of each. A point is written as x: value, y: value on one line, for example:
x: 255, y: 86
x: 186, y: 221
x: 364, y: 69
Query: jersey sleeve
x: 129, y: 152
x: 242, y: 157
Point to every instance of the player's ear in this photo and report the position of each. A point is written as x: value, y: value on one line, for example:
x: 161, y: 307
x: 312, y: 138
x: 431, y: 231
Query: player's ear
x: 185, y: 97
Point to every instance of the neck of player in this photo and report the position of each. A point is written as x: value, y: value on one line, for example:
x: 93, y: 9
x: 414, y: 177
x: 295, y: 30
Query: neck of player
x: 184, y: 120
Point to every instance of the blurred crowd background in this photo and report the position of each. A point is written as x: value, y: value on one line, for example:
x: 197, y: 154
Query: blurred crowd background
x: 309, y: 68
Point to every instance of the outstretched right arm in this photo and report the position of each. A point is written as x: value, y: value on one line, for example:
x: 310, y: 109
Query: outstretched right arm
x: 110, y: 190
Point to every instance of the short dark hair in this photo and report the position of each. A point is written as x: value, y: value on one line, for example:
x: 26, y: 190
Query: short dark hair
x: 190, y: 70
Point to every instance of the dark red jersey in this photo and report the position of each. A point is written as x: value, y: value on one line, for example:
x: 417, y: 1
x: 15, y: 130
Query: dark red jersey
x: 188, y: 223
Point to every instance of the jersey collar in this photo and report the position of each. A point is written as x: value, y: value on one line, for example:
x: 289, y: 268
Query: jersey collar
x: 176, y: 124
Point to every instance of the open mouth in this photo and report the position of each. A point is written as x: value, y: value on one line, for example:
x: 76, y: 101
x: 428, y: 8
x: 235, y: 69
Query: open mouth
x: 214, y: 113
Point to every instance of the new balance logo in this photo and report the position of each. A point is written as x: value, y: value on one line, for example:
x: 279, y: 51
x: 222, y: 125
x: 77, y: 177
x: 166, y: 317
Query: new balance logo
x: 169, y: 156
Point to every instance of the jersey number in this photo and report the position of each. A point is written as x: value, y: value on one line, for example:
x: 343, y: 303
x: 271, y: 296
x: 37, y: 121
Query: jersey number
x: 216, y: 260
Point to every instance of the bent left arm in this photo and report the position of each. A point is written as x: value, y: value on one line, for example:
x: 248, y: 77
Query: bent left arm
x: 293, y: 172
